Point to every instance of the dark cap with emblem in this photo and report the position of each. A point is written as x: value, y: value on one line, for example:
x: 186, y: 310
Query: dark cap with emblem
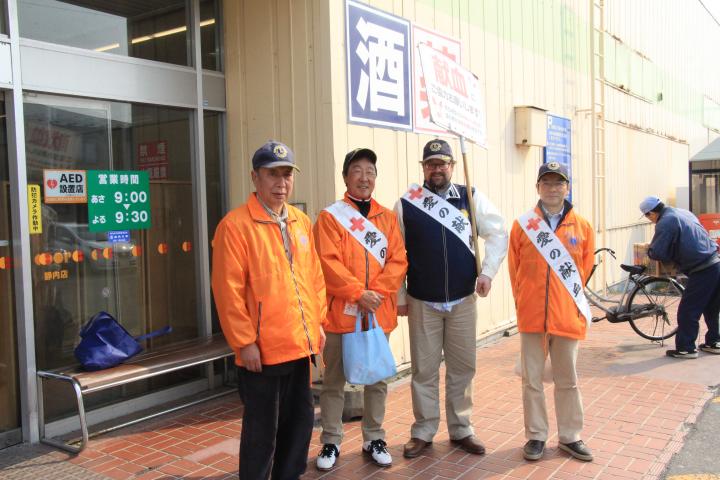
x: 553, y: 167
x: 358, y: 154
x: 274, y: 154
x: 437, y: 149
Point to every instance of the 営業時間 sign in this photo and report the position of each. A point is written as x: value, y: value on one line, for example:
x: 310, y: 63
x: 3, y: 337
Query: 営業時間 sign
x: 118, y: 200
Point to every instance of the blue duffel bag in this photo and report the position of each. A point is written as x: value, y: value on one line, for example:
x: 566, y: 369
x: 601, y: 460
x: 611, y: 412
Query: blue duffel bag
x: 105, y: 343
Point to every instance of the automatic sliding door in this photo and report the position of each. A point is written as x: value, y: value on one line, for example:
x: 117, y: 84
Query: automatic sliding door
x: 9, y: 394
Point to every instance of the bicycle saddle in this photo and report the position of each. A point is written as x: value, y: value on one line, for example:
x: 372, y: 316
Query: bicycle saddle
x: 634, y: 269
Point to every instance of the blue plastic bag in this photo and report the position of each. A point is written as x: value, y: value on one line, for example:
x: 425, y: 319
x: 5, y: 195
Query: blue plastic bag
x: 105, y: 343
x: 367, y: 358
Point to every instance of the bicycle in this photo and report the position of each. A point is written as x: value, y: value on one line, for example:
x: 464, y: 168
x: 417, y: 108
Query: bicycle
x: 645, y: 301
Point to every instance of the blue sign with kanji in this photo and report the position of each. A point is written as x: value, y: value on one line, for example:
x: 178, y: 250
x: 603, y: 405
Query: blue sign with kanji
x: 378, y: 67
x: 119, y: 236
x: 559, y: 133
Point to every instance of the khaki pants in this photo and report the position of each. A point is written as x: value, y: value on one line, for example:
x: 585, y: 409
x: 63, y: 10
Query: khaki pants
x: 433, y: 333
x: 332, y: 398
x: 568, y: 403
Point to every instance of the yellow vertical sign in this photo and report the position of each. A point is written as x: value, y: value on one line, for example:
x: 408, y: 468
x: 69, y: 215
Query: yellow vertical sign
x: 34, y: 209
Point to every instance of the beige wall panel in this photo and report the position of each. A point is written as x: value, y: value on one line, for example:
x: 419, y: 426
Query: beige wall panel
x: 278, y: 60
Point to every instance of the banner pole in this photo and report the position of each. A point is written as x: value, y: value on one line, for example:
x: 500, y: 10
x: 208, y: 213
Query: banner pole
x: 473, y: 224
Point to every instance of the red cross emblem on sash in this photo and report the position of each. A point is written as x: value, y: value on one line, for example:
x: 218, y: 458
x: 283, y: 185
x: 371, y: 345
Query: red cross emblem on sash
x: 533, y: 224
x: 357, y: 224
x: 415, y: 193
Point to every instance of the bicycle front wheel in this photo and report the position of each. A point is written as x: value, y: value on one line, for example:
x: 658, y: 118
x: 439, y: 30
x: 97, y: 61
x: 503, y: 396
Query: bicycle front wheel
x: 653, y: 303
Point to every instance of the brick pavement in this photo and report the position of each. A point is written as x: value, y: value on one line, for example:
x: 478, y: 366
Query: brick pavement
x: 634, y: 423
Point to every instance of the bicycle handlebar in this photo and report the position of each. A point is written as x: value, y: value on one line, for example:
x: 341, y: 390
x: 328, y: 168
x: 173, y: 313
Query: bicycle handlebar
x: 605, y: 249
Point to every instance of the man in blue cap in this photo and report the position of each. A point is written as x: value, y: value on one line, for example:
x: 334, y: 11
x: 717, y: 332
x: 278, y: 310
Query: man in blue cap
x: 269, y: 291
x: 680, y: 238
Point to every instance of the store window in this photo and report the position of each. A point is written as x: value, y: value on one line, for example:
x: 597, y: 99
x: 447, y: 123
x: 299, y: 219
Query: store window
x: 146, y: 278
x: 3, y: 17
x: 153, y: 30
x: 9, y: 394
x: 210, y: 34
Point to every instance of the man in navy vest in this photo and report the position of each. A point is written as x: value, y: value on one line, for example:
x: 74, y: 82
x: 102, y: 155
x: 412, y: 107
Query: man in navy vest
x: 442, y: 287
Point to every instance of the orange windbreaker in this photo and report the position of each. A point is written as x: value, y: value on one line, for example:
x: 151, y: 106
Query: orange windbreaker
x: 260, y: 298
x: 541, y: 301
x: 349, y: 268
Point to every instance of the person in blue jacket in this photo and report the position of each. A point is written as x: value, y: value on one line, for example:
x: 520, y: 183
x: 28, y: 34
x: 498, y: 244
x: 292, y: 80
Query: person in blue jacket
x: 681, y: 239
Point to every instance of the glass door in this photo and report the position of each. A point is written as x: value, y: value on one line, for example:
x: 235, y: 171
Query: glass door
x: 9, y: 392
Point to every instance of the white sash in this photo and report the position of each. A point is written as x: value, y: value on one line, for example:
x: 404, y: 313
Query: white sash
x: 441, y: 211
x: 362, y: 229
x: 557, y: 256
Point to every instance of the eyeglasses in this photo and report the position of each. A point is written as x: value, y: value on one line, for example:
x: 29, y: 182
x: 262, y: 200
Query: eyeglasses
x: 438, y: 166
x: 560, y: 184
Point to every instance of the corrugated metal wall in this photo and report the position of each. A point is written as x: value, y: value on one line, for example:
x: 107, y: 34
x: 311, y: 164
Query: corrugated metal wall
x: 286, y: 78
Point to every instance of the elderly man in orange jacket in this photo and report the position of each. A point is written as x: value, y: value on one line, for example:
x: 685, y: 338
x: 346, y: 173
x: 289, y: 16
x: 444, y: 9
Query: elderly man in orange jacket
x: 550, y: 258
x: 270, y: 295
x: 363, y: 259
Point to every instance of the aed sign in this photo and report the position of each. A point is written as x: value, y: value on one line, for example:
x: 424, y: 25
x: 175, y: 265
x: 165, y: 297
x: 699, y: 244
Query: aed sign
x: 65, y: 186
x: 119, y: 200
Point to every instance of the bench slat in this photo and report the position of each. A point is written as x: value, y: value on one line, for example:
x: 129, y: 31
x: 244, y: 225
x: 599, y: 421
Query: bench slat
x: 164, y: 359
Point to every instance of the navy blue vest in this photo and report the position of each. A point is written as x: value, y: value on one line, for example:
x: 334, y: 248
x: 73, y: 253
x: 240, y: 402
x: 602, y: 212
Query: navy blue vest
x: 440, y: 266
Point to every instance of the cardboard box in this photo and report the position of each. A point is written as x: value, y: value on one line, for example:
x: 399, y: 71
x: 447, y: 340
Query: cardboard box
x: 660, y: 269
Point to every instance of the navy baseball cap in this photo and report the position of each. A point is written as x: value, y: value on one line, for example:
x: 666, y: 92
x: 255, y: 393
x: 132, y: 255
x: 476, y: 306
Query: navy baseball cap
x: 553, y: 167
x: 648, y: 204
x: 358, y: 154
x: 437, y: 149
x: 274, y: 154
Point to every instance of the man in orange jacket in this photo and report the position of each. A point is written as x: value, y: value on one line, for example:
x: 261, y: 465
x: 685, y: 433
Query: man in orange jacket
x: 363, y: 259
x: 270, y: 296
x: 550, y: 258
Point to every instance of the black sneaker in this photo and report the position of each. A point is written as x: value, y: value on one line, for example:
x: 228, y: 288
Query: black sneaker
x: 578, y: 450
x: 533, y: 449
x: 710, y: 348
x: 682, y: 353
x: 327, y: 457
x: 377, y: 449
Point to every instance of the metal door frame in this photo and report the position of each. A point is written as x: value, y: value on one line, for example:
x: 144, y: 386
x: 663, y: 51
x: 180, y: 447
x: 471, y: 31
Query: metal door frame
x: 47, y: 68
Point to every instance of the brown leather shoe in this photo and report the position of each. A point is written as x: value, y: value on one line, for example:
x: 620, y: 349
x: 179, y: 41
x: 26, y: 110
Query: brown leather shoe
x: 470, y: 444
x: 413, y: 448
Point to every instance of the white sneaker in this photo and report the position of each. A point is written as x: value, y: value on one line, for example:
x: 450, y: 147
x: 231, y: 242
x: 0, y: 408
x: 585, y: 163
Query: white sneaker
x: 378, y: 451
x: 327, y: 457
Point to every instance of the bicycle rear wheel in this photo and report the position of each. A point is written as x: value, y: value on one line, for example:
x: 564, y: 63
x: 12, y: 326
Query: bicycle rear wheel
x: 658, y: 298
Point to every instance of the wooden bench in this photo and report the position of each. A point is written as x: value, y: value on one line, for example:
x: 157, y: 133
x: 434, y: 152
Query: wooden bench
x: 158, y: 362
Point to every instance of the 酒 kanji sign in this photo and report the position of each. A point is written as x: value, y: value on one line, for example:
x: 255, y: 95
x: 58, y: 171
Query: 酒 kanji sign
x: 378, y: 67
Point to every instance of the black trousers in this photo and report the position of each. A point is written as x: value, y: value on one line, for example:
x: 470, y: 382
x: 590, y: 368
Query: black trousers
x: 277, y: 421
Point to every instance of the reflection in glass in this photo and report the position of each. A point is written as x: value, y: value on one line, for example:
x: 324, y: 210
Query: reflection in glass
x: 147, y: 280
x: 9, y: 394
x: 214, y: 186
x: 3, y: 16
x: 153, y: 30
x: 706, y: 188
x: 210, y: 34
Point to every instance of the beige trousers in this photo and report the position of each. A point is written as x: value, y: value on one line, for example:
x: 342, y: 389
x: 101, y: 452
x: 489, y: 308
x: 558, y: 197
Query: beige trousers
x: 568, y: 403
x: 332, y: 398
x: 432, y: 334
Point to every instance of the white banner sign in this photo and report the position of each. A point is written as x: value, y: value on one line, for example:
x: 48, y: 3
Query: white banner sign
x: 449, y: 47
x: 455, y: 97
